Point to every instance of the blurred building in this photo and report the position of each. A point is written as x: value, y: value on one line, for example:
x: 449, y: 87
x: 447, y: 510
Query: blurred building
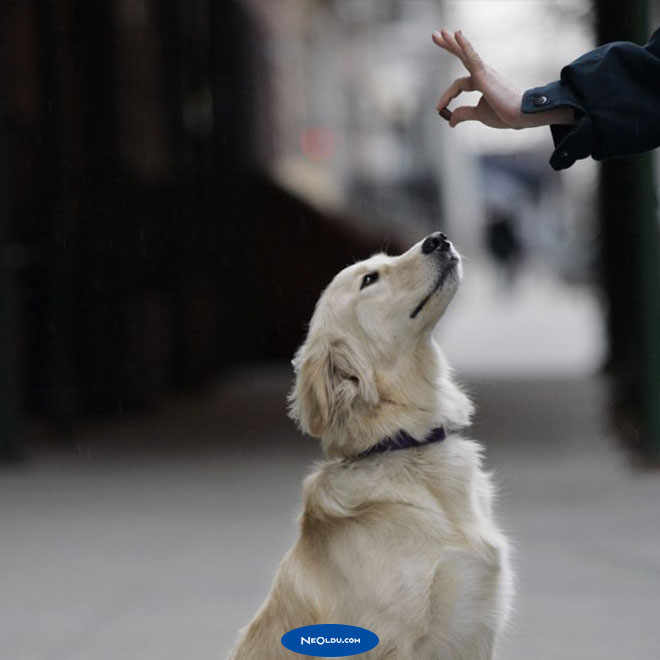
x: 352, y: 123
x: 149, y: 239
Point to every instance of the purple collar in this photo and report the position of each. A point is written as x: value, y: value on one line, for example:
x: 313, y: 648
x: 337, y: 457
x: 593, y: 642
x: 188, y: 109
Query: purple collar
x: 403, y: 440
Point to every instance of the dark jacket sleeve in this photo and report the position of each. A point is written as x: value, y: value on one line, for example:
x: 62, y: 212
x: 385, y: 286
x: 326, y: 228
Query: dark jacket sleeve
x: 615, y: 90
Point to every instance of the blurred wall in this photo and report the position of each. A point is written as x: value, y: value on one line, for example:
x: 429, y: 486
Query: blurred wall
x: 145, y: 246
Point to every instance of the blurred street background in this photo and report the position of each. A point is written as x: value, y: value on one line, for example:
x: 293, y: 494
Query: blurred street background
x: 180, y: 181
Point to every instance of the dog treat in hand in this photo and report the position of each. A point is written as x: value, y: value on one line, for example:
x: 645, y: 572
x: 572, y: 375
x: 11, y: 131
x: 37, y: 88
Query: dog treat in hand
x: 445, y: 113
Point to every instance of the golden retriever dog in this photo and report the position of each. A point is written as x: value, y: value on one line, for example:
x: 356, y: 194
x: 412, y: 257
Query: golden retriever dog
x: 397, y: 532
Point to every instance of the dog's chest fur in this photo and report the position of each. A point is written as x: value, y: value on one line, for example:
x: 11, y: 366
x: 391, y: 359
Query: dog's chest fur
x: 408, y: 548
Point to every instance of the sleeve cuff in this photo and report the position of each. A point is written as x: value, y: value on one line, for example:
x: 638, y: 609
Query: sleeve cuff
x: 571, y: 142
x: 549, y: 97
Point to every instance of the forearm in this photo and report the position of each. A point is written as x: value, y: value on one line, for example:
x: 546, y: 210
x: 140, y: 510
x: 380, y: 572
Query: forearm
x: 614, y: 95
x: 563, y: 115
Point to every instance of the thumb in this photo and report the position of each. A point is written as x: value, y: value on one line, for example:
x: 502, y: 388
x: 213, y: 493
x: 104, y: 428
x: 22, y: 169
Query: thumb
x: 463, y: 113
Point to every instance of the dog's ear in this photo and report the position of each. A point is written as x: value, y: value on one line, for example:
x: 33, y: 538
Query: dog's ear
x: 330, y: 379
x: 309, y: 401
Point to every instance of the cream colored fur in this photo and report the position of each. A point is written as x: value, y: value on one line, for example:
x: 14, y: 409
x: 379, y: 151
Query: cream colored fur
x: 402, y: 543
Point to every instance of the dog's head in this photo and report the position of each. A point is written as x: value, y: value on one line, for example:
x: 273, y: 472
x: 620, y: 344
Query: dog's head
x: 369, y: 363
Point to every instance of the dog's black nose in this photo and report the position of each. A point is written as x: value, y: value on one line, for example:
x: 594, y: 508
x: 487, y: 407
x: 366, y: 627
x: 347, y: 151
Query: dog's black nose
x: 435, y: 241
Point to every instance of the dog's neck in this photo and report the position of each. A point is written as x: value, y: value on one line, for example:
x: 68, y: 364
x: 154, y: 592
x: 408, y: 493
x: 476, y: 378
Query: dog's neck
x: 416, y: 395
x: 403, y: 440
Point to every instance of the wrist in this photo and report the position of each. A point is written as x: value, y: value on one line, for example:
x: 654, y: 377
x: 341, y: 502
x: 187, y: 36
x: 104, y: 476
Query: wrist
x: 562, y: 115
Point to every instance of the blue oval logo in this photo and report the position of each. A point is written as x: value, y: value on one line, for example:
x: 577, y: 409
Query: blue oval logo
x: 329, y: 640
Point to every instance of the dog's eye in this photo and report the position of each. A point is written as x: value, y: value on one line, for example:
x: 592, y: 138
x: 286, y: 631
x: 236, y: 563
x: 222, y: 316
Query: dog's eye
x: 369, y: 279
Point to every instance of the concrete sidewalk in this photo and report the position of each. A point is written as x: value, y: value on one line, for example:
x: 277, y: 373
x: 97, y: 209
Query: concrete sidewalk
x: 156, y: 539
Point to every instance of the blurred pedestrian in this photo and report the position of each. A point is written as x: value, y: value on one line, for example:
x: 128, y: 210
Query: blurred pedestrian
x: 503, y: 245
x: 606, y: 103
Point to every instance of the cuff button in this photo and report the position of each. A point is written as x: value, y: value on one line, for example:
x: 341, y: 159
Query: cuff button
x: 539, y: 100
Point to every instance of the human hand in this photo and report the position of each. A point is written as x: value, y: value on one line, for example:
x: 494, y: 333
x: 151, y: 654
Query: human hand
x: 500, y: 103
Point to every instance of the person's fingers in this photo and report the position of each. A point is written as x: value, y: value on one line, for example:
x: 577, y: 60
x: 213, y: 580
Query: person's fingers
x: 459, y: 85
x: 439, y: 40
x: 471, y: 58
x: 453, y: 46
x: 445, y: 40
x: 448, y: 36
x: 463, y: 113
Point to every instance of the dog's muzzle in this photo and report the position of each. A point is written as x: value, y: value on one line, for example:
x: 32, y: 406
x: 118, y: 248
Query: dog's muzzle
x: 437, y: 244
